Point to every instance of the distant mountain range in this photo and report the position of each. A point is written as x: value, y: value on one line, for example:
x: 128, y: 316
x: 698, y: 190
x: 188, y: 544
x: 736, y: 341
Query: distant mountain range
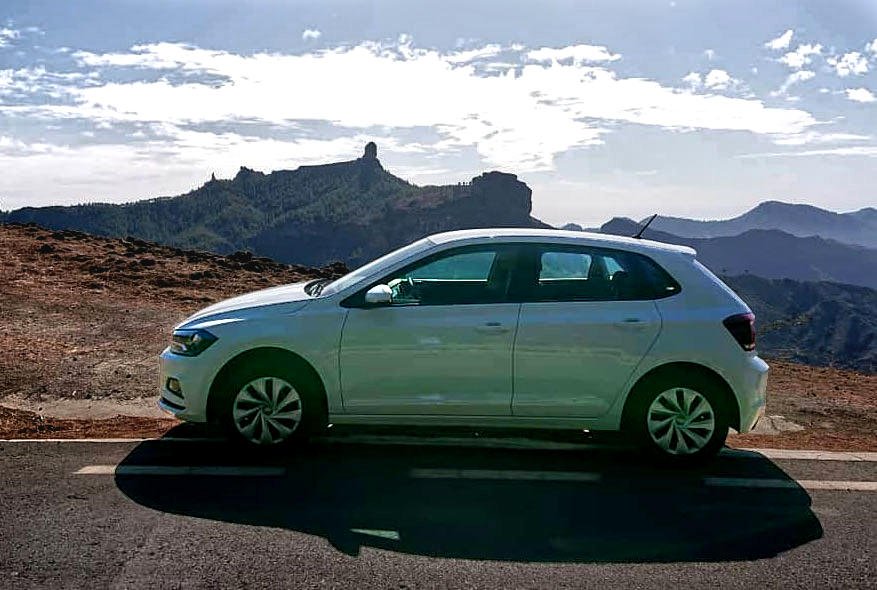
x: 354, y: 211
x: 814, y: 323
x: 349, y: 211
x: 771, y: 254
x: 858, y: 227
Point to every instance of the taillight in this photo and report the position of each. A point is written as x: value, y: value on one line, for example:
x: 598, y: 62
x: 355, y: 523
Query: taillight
x: 742, y: 328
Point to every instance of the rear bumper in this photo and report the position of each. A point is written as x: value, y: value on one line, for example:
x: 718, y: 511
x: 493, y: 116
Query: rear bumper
x: 751, y: 389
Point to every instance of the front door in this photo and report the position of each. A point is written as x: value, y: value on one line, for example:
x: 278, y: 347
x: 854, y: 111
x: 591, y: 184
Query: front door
x: 585, y: 325
x: 444, y: 344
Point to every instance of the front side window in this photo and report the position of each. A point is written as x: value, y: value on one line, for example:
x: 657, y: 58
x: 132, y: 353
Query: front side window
x: 460, y: 276
x: 389, y: 259
x: 571, y: 273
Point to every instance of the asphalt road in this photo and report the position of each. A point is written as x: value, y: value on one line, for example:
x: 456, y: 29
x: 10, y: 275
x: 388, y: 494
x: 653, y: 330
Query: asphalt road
x: 160, y: 514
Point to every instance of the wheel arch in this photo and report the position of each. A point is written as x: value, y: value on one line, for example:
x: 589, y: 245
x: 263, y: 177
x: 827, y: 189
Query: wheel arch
x: 723, y: 388
x: 271, y: 354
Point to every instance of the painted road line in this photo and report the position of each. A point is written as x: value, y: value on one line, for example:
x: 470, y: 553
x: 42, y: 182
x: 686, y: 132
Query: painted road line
x: 803, y: 455
x: 380, y: 533
x: 507, y: 474
x: 110, y: 440
x: 807, y: 484
x: 486, y: 442
x: 185, y: 470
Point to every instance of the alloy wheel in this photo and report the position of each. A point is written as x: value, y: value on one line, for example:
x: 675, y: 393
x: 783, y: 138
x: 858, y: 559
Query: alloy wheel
x: 681, y: 421
x: 267, y: 410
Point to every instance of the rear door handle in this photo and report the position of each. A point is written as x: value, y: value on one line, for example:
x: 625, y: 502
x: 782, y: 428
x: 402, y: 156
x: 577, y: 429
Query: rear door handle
x: 492, y: 328
x: 631, y: 322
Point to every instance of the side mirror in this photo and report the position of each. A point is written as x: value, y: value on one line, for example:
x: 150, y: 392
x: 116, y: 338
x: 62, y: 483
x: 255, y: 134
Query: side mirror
x: 379, y: 295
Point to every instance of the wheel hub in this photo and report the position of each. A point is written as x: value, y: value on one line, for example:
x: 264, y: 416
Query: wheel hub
x: 267, y: 410
x: 681, y: 421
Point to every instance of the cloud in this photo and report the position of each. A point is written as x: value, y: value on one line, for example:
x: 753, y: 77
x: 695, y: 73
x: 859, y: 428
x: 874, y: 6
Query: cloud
x: 471, y: 55
x: 849, y: 63
x: 710, y: 54
x: 311, y: 35
x: 578, y: 53
x: 858, y: 150
x: 184, y: 158
x: 693, y: 79
x: 872, y: 47
x: 712, y: 80
x: 811, y: 137
x: 520, y: 115
x: 8, y: 35
x: 792, y: 79
x: 158, y: 56
x: 718, y: 80
x: 860, y: 95
x: 781, y: 42
x: 801, y: 56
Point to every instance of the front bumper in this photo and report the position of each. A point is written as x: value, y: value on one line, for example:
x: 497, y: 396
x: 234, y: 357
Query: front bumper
x: 194, y: 376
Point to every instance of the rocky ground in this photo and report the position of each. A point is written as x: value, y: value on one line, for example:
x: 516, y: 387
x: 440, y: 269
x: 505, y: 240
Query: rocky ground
x: 82, y: 319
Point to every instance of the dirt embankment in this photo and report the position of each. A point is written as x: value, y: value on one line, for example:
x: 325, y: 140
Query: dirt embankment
x: 82, y: 319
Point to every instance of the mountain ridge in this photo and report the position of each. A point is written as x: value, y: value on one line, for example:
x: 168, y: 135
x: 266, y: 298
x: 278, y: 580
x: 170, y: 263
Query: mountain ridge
x: 798, y: 219
x: 351, y: 211
x: 799, y: 258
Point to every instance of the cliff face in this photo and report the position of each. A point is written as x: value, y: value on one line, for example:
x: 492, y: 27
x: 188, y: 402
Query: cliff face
x: 493, y: 199
x: 350, y: 211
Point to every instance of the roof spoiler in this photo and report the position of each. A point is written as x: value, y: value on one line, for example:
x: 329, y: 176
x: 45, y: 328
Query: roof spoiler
x: 639, y: 234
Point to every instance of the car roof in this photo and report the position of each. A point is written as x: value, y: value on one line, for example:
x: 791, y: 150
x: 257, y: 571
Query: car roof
x: 511, y: 234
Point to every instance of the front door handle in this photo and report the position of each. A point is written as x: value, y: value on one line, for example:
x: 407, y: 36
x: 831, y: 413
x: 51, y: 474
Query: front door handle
x: 492, y: 328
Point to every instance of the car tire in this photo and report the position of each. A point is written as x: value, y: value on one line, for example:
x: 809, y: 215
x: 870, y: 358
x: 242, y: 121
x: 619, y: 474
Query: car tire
x: 678, y: 418
x: 266, y: 402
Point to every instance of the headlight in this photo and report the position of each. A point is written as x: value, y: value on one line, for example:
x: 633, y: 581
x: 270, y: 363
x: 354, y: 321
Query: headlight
x: 191, y: 342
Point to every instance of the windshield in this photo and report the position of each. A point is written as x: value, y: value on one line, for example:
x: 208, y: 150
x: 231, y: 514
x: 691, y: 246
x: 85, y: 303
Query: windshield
x: 386, y: 260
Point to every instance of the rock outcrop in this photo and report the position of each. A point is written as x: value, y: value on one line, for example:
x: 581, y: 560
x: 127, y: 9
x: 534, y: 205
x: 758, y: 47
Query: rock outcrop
x: 349, y: 211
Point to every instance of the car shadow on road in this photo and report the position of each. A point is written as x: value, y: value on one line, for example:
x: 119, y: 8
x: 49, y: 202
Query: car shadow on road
x: 497, y: 504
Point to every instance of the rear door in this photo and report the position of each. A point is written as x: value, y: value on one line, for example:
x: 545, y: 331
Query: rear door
x: 587, y: 320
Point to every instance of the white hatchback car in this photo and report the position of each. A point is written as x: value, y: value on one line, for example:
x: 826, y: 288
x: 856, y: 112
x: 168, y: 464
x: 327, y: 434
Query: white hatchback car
x: 482, y: 328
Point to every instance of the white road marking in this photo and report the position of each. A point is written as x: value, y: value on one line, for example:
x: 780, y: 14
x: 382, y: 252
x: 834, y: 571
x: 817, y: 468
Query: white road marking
x: 803, y: 455
x: 504, y: 474
x: 383, y: 534
x: 807, y: 484
x: 488, y: 442
x: 109, y: 440
x: 473, y: 474
x: 219, y: 470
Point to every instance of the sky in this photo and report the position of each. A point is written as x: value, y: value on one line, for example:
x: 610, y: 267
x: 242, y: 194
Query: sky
x: 604, y: 108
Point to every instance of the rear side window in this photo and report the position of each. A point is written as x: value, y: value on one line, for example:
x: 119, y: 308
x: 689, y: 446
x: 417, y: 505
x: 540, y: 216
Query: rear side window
x: 573, y: 273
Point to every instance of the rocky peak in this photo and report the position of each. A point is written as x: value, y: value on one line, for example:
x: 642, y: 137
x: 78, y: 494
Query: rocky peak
x: 371, y: 151
x: 502, y: 194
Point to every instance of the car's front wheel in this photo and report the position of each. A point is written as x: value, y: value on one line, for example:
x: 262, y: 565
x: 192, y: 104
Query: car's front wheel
x: 265, y: 404
x: 679, y: 418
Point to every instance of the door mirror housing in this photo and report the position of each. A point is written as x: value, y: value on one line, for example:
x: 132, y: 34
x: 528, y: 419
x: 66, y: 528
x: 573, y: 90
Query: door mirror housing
x: 379, y: 295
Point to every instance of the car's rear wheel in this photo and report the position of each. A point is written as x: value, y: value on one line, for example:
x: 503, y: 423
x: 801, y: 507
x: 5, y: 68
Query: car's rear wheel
x: 679, y: 418
x: 266, y: 404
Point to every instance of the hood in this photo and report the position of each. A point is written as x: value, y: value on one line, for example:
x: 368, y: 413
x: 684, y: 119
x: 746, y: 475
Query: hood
x: 272, y: 296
